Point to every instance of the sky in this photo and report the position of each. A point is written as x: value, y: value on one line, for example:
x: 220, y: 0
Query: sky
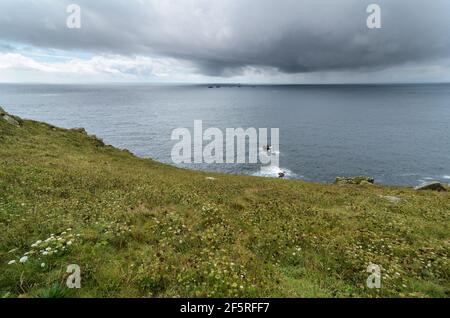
x: 245, y: 41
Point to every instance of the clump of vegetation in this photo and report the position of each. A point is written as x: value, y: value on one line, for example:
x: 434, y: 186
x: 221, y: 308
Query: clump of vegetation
x: 55, y: 291
x: 355, y: 180
x: 138, y: 228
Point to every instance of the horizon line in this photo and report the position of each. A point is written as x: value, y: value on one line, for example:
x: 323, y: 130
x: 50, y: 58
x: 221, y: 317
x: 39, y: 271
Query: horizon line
x: 224, y: 83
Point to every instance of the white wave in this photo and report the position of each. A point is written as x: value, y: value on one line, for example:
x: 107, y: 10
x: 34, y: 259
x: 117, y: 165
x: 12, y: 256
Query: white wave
x: 274, y: 172
x: 408, y: 175
x: 263, y: 153
x: 446, y: 177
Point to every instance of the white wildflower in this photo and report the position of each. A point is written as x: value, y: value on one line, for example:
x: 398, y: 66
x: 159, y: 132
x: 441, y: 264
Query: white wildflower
x: 24, y: 259
x: 11, y: 262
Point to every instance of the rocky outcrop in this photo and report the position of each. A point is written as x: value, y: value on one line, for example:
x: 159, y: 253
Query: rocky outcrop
x: 431, y: 186
x: 355, y: 180
x: 97, y: 141
x: 13, y: 120
x: 80, y: 130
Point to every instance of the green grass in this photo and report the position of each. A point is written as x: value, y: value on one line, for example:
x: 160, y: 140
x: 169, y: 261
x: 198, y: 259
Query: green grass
x: 139, y: 228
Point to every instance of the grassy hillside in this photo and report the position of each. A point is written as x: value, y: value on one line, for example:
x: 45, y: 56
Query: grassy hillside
x: 138, y: 228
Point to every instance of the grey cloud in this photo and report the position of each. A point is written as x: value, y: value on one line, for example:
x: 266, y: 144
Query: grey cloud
x: 222, y: 37
x: 6, y: 48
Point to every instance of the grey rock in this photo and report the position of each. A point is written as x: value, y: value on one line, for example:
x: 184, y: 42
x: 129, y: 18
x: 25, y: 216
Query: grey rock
x: 97, y: 141
x: 127, y: 151
x: 431, y: 186
x: 10, y: 120
x: 392, y: 199
x: 13, y: 120
x: 80, y: 130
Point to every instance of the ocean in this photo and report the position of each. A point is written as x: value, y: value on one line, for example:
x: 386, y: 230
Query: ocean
x: 398, y: 134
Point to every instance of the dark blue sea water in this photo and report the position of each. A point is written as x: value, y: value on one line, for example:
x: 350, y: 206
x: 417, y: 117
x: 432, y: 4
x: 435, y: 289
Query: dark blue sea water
x: 399, y: 134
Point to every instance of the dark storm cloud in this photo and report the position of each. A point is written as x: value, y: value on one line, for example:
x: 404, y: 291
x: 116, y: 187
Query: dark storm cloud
x: 222, y: 37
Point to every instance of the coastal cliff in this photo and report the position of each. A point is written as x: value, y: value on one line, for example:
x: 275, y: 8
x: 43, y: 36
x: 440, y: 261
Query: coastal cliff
x: 138, y: 228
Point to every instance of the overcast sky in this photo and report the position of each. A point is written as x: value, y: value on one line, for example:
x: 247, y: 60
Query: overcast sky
x: 264, y: 41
